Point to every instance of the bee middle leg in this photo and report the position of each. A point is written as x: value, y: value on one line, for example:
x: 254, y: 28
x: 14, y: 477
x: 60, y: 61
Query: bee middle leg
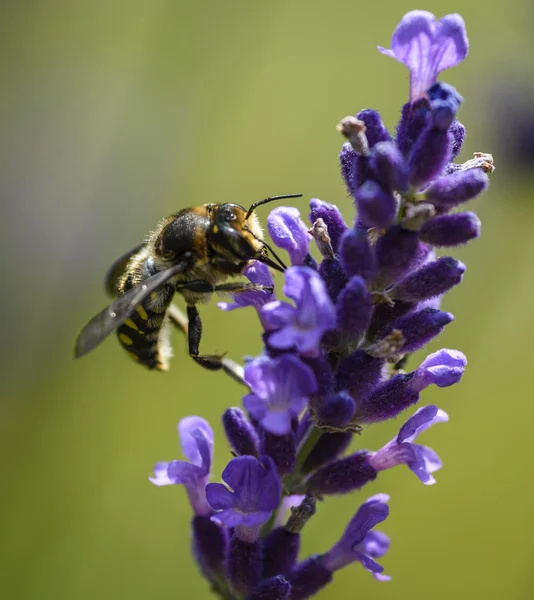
x: 212, y: 362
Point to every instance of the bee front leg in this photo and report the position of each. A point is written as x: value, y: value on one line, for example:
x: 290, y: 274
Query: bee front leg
x: 194, y: 333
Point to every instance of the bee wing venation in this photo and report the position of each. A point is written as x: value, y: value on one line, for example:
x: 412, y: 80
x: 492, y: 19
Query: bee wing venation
x: 117, y: 269
x: 114, y: 315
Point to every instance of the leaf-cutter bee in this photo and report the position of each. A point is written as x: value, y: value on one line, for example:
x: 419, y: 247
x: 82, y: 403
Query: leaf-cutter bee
x: 191, y: 252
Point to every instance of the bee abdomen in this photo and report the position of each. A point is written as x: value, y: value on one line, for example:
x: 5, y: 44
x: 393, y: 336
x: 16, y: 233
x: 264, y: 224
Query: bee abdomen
x: 144, y: 334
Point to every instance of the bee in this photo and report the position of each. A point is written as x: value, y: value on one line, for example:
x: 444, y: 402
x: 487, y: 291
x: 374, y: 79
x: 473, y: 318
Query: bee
x: 192, y: 253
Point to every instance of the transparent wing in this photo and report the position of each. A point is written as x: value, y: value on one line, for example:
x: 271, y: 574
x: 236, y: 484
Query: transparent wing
x: 114, y: 315
x: 116, y: 270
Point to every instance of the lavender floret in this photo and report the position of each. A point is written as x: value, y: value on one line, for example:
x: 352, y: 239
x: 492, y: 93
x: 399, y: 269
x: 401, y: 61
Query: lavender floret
x: 336, y: 355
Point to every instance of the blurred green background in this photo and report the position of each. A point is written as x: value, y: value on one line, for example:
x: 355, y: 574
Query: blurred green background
x: 114, y: 114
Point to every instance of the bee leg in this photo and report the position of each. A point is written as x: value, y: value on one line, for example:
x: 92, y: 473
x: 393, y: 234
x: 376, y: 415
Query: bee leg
x: 194, y: 333
x: 242, y: 286
x: 230, y: 367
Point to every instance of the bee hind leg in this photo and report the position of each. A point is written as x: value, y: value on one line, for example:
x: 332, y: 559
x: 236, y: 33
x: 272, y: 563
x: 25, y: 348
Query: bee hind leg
x: 211, y: 362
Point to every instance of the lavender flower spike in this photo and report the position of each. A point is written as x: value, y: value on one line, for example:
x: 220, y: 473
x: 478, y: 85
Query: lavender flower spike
x: 302, y: 326
x: 196, y: 437
x: 280, y: 388
x: 359, y: 543
x: 421, y: 460
x: 289, y: 232
x: 427, y: 47
x: 256, y: 490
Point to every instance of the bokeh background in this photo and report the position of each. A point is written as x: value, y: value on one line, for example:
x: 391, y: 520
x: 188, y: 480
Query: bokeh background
x: 114, y: 114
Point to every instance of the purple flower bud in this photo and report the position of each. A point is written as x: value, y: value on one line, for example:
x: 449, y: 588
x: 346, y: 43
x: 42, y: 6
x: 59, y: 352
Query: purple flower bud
x: 358, y: 373
x: 343, y: 475
x: 333, y: 219
x: 421, y: 460
x: 280, y: 389
x: 432, y: 279
x: 376, y: 207
x: 398, y: 252
x: 457, y: 130
x: 390, y: 167
x: 196, y: 438
x: 429, y: 155
x: 356, y: 254
x: 274, y: 588
x: 308, y: 578
x: 255, y: 272
x: 240, y: 433
x: 387, y: 400
x: 333, y: 276
x: 354, y: 308
x: 359, y: 543
x: 304, y: 325
x: 256, y: 492
x: 442, y: 368
x: 244, y: 564
x: 336, y: 410
x: 209, y: 546
x: 419, y: 327
x: 427, y: 47
x: 451, y: 230
x: 347, y: 158
x: 363, y: 171
x: 414, y: 118
x: 385, y: 314
x: 289, y: 232
x: 280, y: 551
x: 376, y: 131
x: 327, y: 448
x: 450, y: 191
x: 445, y: 102
x: 282, y: 449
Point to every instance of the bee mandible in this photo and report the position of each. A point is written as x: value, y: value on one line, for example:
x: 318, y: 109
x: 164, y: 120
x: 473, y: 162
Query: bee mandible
x: 192, y: 253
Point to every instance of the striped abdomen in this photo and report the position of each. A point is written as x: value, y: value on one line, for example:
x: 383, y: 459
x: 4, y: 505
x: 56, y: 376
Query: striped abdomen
x: 144, y: 335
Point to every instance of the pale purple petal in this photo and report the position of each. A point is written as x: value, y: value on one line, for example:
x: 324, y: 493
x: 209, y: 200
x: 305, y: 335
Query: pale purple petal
x: 427, y: 47
x: 181, y: 472
x: 424, y: 462
x: 189, y: 442
x: 277, y: 314
x: 160, y: 474
x: 421, y: 420
x: 442, y: 368
x: 255, y: 272
x: 289, y: 232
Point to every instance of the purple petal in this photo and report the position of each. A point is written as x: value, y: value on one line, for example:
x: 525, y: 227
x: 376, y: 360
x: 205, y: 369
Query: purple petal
x: 375, y: 544
x: 427, y: 47
x: 181, y: 472
x: 190, y: 442
x: 442, y: 368
x: 421, y: 420
x: 234, y: 518
x: 288, y: 231
x: 255, y: 272
x: 425, y: 461
x: 160, y: 474
x: 451, y: 39
x: 275, y: 315
x: 219, y: 496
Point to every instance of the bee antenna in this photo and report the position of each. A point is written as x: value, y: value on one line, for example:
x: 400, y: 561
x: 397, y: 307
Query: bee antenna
x: 270, y: 199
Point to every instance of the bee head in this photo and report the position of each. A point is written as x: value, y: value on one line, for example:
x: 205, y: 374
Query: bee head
x: 234, y: 234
